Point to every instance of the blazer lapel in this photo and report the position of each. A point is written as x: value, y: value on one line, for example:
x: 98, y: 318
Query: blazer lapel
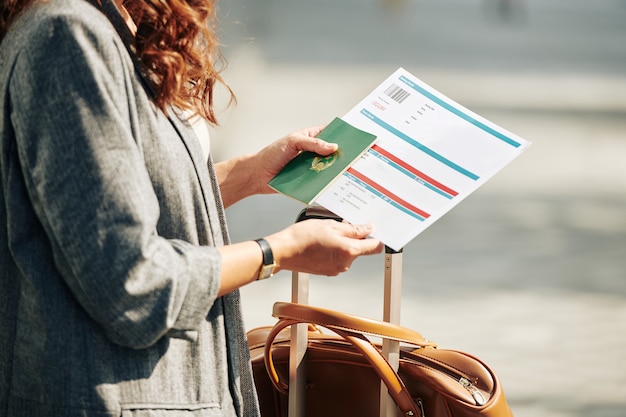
x: 188, y: 136
x: 185, y: 132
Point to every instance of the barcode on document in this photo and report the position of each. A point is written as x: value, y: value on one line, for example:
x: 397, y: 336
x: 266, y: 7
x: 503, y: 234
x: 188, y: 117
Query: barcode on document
x: 397, y: 93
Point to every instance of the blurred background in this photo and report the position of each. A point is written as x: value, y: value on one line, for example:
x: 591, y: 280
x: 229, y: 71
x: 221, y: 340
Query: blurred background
x: 529, y: 272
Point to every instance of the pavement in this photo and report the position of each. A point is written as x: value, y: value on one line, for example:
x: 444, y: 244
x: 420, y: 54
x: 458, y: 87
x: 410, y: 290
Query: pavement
x: 529, y: 272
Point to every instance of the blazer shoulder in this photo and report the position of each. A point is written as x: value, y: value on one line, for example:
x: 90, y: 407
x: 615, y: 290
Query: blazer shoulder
x: 58, y: 21
x: 67, y: 39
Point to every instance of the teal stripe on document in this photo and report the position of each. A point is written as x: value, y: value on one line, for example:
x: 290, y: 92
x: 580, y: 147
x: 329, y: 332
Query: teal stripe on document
x: 459, y: 112
x: 418, y: 145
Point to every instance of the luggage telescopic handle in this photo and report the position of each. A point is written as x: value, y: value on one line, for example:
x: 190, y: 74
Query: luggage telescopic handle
x: 395, y: 386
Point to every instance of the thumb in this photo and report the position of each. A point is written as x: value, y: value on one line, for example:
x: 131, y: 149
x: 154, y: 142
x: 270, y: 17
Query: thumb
x: 366, y: 246
x: 358, y: 231
x: 319, y: 146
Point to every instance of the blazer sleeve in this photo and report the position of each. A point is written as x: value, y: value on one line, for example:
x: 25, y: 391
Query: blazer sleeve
x: 88, y: 184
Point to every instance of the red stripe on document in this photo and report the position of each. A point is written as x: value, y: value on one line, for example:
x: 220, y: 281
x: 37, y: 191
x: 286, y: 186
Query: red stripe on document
x: 415, y: 171
x: 387, y: 193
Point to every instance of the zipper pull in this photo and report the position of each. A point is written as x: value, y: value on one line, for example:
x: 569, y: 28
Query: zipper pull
x: 478, y: 397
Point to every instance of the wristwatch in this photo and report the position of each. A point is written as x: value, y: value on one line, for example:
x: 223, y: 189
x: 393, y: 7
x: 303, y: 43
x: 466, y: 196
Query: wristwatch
x: 267, y: 269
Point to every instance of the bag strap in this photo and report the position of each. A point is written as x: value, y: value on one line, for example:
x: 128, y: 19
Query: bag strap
x: 349, y: 328
x: 336, y: 320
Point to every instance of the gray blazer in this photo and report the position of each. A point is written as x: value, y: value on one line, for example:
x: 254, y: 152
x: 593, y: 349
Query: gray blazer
x: 109, y: 219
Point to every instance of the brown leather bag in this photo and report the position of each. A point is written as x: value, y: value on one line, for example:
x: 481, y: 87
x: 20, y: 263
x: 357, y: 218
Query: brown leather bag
x: 344, y: 370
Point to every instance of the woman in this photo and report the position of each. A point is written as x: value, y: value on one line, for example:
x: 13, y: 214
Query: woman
x: 118, y: 284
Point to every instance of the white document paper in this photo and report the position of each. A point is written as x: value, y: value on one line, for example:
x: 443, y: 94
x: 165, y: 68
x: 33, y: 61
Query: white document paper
x: 430, y: 153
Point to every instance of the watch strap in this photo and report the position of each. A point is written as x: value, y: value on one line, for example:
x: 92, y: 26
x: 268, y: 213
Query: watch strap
x: 267, y: 269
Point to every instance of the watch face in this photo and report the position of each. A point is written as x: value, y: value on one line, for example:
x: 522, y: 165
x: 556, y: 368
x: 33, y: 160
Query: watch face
x: 267, y: 271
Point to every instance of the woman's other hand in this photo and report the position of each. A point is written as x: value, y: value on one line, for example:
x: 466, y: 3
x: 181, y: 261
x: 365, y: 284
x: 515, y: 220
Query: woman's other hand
x: 322, y: 247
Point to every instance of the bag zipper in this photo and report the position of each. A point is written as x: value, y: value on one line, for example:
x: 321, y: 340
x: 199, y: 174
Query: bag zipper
x: 465, y: 382
x: 477, y: 395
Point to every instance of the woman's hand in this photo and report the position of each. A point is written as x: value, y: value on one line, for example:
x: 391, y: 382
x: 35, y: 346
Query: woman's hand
x: 248, y: 175
x: 321, y: 247
x: 271, y: 159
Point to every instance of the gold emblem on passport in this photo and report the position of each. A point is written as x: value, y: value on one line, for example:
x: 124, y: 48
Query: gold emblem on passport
x: 320, y: 163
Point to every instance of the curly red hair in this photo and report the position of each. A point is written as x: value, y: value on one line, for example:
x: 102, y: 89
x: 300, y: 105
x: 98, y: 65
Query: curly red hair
x: 9, y: 10
x: 177, y: 44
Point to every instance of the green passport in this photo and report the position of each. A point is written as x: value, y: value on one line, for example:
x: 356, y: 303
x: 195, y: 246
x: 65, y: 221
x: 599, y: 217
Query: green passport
x: 308, y: 175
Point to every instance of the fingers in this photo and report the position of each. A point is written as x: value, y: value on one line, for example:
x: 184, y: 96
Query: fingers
x: 322, y: 247
x: 357, y: 243
x: 361, y: 244
x: 357, y: 231
x: 371, y: 246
